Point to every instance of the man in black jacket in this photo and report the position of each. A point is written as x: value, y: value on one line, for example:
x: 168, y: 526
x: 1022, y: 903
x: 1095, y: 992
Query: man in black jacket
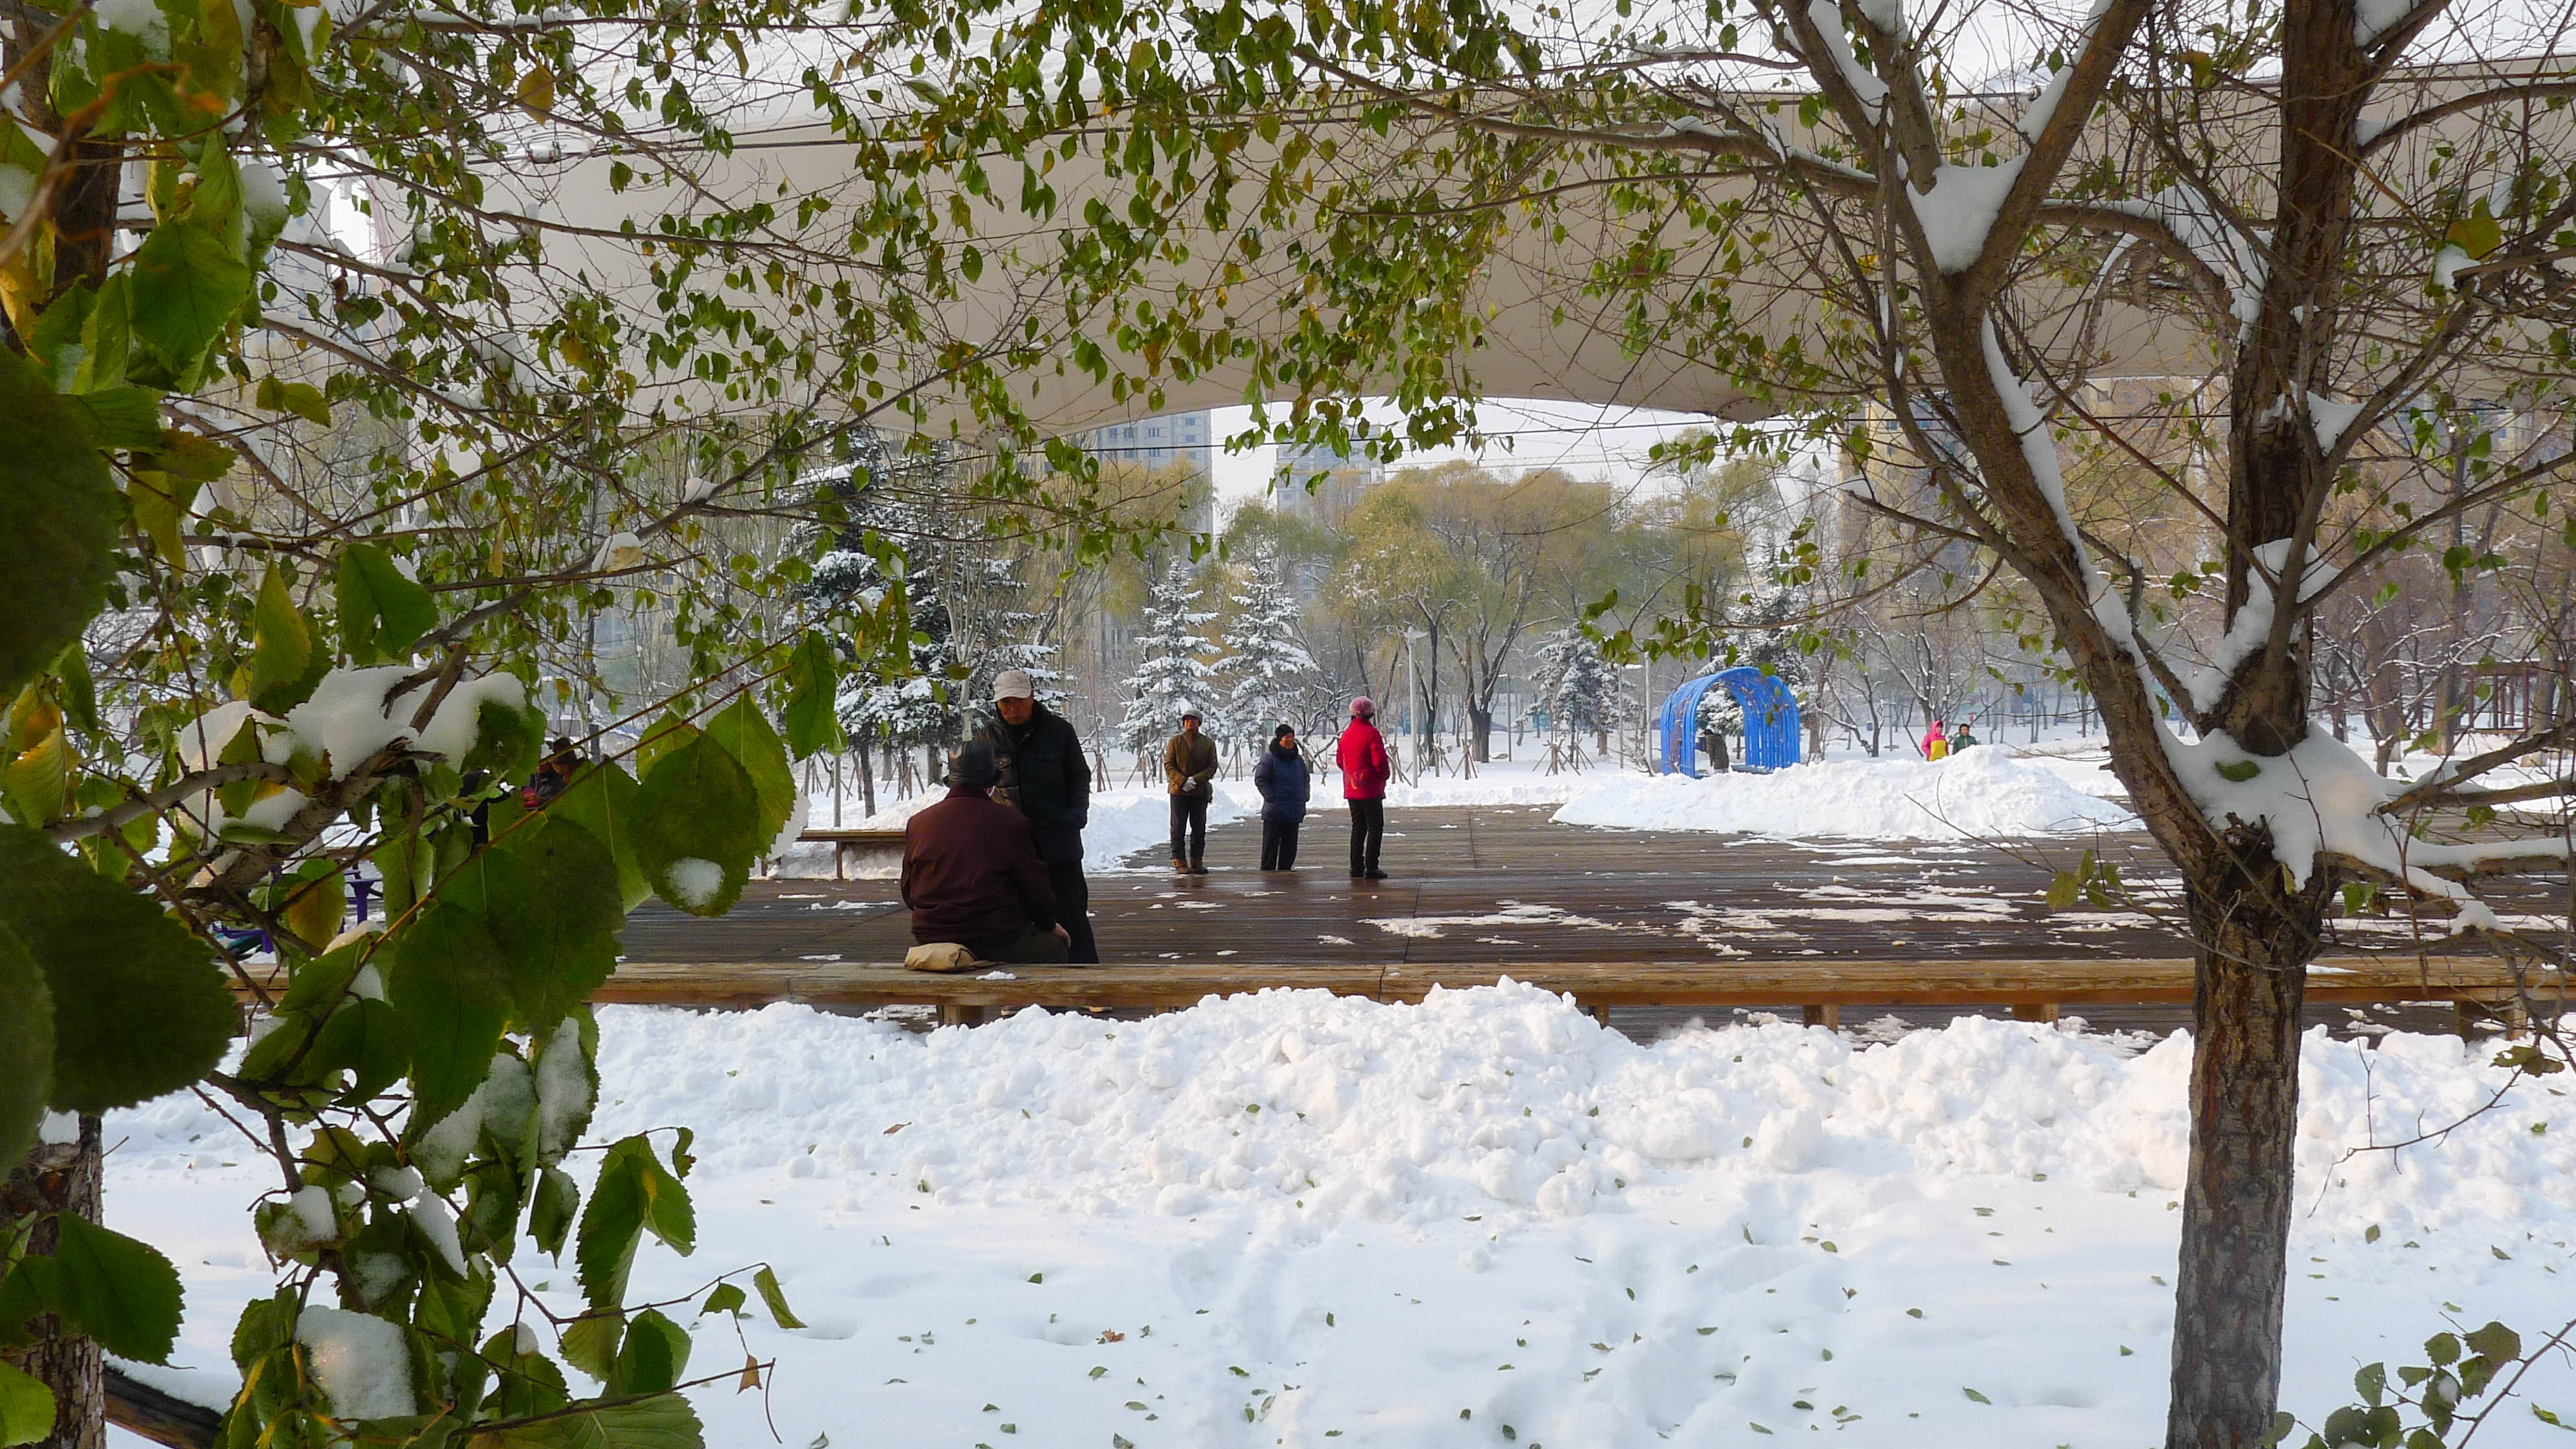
x: 1044, y: 777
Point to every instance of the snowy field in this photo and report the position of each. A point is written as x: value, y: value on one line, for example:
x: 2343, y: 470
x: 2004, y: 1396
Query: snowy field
x: 1292, y: 1219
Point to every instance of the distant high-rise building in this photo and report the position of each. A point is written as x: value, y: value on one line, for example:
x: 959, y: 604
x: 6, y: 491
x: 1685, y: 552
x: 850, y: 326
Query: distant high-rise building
x: 1326, y: 503
x: 1156, y: 443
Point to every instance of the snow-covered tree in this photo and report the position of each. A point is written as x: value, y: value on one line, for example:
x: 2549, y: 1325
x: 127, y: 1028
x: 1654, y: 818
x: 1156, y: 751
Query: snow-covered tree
x: 1273, y: 677
x: 1581, y: 691
x: 1174, y: 670
x: 1771, y: 643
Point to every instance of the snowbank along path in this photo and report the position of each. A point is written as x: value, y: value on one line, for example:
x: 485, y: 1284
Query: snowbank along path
x: 1294, y: 1219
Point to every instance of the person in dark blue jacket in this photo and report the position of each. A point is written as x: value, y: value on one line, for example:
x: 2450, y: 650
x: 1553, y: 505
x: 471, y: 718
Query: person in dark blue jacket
x: 1281, y: 777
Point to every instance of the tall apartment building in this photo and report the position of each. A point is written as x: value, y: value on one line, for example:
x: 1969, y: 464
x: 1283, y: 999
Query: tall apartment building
x: 1346, y: 480
x: 1157, y: 443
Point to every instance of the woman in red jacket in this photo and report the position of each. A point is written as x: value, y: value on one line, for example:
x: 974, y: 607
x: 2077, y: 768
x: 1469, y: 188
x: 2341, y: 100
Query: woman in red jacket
x: 1362, y: 759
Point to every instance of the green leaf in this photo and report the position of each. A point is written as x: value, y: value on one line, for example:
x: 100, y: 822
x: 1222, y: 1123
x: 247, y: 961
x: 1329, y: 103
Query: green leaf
x: 368, y: 1038
x: 766, y: 1280
x: 106, y: 1285
x: 653, y: 1358
x: 662, y: 1422
x: 123, y: 417
x: 601, y: 800
x: 2495, y: 1341
x: 447, y: 981
x: 590, y: 1344
x: 523, y: 1383
x: 26, y: 1051
x: 633, y: 1195
x: 524, y: 930
x: 281, y: 643
x: 550, y: 902
x: 728, y: 1298
x: 551, y: 1213
x: 382, y: 612
x: 813, y: 682
x: 1973, y: 1394
x: 302, y: 399
x: 139, y: 1007
x: 667, y: 734
x: 26, y: 1407
x: 697, y: 812
x: 745, y: 734
x: 2240, y: 771
x: 189, y: 283
x: 58, y: 523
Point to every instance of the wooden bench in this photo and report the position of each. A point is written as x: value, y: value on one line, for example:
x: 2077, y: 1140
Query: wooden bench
x: 1819, y: 990
x: 855, y: 849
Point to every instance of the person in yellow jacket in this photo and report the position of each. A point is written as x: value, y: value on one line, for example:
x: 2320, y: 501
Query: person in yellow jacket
x: 1189, y: 765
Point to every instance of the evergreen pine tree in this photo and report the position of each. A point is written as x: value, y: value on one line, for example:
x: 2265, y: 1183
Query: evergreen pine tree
x: 1581, y: 691
x: 1273, y: 676
x: 1173, y: 671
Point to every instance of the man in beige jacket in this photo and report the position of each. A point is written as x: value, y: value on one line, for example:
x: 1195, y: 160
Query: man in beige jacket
x: 1189, y: 764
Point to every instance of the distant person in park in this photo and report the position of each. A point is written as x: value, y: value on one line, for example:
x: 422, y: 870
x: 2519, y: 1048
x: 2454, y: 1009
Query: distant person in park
x: 1961, y: 739
x: 971, y: 872
x: 1361, y: 756
x: 1283, y: 780
x: 1935, y: 745
x: 1044, y: 778
x: 1712, y: 743
x: 553, y: 774
x: 1189, y: 766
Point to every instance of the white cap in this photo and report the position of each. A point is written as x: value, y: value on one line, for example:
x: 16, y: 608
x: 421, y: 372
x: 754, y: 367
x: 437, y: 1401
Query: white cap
x: 1013, y: 684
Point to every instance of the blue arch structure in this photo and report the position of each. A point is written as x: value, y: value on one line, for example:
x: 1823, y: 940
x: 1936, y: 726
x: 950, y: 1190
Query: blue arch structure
x: 1770, y: 720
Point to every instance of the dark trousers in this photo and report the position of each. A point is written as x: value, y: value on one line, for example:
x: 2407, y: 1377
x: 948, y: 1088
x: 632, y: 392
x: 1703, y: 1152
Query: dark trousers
x: 1073, y: 908
x: 1189, y: 827
x: 1278, y: 844
x: 1368, y: 829
x: 1032, y: 947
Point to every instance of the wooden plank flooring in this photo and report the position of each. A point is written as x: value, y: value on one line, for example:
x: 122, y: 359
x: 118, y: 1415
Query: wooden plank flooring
x: 1505, y: 885
x: 1651, y: 925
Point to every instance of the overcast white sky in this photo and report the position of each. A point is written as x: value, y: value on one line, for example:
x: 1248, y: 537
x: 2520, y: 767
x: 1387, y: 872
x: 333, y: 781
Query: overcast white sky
x: 1586, y: 441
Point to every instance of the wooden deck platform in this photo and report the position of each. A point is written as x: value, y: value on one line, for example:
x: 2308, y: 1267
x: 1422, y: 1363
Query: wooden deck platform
x: 1820, y: 990
x: 1653, y: 924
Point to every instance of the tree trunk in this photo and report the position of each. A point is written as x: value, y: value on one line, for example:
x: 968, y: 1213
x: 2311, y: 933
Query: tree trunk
x: 62, y: 1177
x: 1480, y: 726
x: 2255, y: 938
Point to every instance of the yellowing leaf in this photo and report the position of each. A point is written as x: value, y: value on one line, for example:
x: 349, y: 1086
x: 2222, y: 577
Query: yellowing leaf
x: 537, y: 90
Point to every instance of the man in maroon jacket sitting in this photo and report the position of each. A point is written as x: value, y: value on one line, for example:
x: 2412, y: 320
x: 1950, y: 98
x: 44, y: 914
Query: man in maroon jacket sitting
x: 971, y: 872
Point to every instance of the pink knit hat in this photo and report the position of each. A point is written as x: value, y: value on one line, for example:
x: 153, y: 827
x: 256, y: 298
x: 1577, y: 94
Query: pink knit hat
x: 1363, y: 708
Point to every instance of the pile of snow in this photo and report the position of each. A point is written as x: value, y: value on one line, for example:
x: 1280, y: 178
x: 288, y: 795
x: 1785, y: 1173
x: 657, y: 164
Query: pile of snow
x: 1982, y: 792
x: 1294, y: 1217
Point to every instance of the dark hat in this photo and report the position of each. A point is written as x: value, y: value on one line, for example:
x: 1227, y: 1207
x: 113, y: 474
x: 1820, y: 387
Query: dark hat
x: 973, y: 767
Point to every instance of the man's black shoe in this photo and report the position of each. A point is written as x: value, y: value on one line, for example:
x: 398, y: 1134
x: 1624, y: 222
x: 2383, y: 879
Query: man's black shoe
x: 1376, y: 875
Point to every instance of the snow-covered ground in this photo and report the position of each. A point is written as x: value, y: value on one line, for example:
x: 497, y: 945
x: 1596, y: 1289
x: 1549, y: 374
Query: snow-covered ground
x: 1983, y: 793
x: 2060, y: 784
x: 1292, y: 1219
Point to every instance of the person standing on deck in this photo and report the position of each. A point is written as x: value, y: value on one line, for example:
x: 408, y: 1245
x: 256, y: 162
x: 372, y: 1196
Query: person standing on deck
x: 1044, y: 778
x: 1189, y: 766
x: 1361, y: 755
x: 1935, y: 746
x: 1282, y: 779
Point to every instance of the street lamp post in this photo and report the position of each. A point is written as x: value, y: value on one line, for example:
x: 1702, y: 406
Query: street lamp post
x: 1413, y: 698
